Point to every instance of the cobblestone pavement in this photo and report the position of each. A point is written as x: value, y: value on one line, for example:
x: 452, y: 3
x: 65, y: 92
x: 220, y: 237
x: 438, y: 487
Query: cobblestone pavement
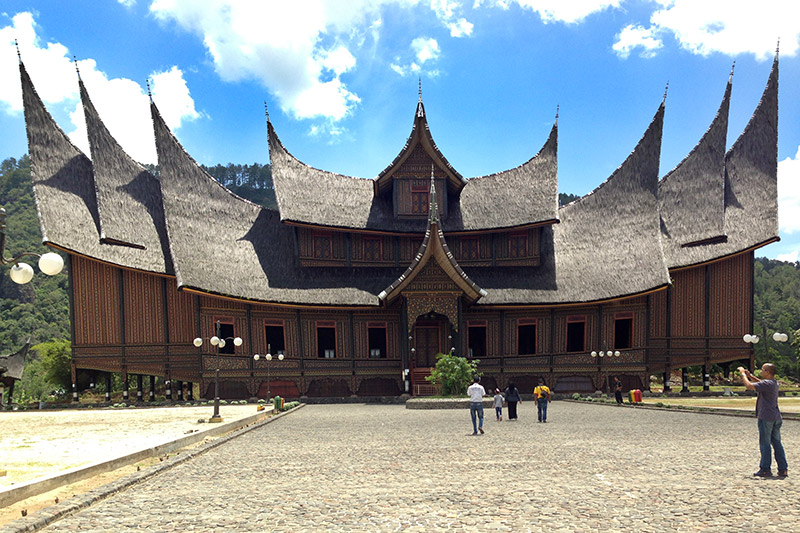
x: 385, y: 468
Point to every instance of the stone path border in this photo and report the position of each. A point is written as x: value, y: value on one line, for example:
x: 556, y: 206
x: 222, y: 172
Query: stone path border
x: 719, y: 411
x: 49, y: 515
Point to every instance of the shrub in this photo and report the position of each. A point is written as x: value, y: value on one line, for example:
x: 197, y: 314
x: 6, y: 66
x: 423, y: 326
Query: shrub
x: 454, y: 373
x: 659, y: 404
x: 576, y: 395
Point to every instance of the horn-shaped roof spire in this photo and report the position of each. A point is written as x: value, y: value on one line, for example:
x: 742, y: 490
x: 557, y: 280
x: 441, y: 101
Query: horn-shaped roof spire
x: 19, y: 56
x: 75, y: 59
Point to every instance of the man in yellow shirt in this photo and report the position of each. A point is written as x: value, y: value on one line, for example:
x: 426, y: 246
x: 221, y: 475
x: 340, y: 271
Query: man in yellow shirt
x: 541, y: 395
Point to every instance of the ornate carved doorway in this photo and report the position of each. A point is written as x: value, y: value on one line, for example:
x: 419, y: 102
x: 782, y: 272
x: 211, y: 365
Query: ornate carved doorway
x: 427, y: 343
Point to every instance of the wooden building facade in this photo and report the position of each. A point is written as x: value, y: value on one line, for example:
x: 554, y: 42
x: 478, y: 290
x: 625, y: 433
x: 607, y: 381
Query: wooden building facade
x: 360, y: 283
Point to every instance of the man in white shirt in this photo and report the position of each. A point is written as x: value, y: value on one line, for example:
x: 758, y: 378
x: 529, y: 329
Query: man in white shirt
x: 476, y: 393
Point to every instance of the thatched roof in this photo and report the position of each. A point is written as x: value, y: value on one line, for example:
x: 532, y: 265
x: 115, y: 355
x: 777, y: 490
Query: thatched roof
x: 522, y: 196
x: 128, y: 196
x: 223, y: 244
x: 527, y: 194
x: 750, y: 188
x: 606, y: 246
x: 12, y: 366
x: 691, y: 198
x: 64, y: 190
x: 434, y: 246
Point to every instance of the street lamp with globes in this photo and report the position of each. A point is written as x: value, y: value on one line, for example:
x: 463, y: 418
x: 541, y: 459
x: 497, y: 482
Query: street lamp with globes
x: 268, y: 358
x: 601, y: 354
x: 217, y: 342
x: 21, y: 273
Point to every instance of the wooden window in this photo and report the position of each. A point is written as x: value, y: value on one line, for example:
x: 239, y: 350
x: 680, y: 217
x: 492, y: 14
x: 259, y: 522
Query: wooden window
x: 420, y: 199
x: 623, y: 331
x: 373, y: 248
x: 326, y: 339
x: 322, y: 245
x: 476, y: 338
x: 225, y: 332
x: 518, y: 245
x: 274, y: 333
x: 526, y: 336
x: 470, y: 248
x: 376, y: 336
x: 576, y: 333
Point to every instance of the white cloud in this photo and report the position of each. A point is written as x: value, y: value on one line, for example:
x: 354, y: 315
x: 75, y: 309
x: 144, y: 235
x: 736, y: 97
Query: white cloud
x: 722, y: 26
x: 636, y: 36
x: 789, y: 194
x: 121, y: 103
x: 300, y: 51
x: 790, y: 257
x: 567, y: 11
x: 447, y: 12
x: 425, y: 50
x: 127, y: 3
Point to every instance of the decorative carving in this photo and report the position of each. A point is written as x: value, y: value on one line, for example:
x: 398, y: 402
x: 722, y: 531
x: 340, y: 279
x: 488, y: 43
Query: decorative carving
x: 443, y: 304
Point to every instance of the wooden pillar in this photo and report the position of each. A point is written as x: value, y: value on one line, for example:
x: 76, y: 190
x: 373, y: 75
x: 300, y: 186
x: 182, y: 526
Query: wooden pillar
x: 74, y: 382
x: 405, y: 346
x: 189, y: 392
x: 706, y: 378
x: 667, y: 375
x: 124, y: 384
x: 108, y: 386
x: 685, y: 379
x: 11, y: 392
x: 152, y: 394
x: 139, y: 387
x: 168, y: 388
x: 179, y: 386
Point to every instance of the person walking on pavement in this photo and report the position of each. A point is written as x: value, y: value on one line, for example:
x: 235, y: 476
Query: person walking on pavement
x: 541, y: 395
x: 498, y: 404
x: 476, y: 393
x: 769, y: 419
x: 512, y: 398
x: 618, y: 390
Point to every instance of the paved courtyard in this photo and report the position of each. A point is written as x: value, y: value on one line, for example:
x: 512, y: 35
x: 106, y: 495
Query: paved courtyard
x: 385, y: 468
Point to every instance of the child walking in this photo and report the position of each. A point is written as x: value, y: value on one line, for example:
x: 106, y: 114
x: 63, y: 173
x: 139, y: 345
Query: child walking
x: 498, y: 404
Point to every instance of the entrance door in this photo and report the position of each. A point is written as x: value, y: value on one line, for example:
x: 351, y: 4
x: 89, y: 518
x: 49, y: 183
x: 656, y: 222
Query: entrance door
x: 426, y: 343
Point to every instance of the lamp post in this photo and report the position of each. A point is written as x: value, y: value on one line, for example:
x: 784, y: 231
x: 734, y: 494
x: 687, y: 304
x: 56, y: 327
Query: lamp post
x: 217, y: 342
x: 601, y: 354
x: 50, y: 263
x: 777, y: 337
x: 268, y: 357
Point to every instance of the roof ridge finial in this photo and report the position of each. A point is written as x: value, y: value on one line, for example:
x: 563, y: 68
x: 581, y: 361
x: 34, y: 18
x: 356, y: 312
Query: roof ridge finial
x: 16, y: 43
x: 778, y: 48
x: 266, y: 111
x: 666, y: 90
x: 730, y: 78
x: 557, y: 109
x: 419, y: 80
x: 149, y: 92
x: 75, y: 58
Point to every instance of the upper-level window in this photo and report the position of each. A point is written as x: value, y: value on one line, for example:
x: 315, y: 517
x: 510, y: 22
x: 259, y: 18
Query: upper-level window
x: 526, y: 336
x: 476, y: 338
x: 376, y: 336
x: 226, y: 333
x: 373, y: 248
x: 326, y: 339
x: 276, y: 343
x: 322, y: 246
x: 420, y: 199
x: 576, y: 333
x: 623, y: 331
x: 469, y: 248
x: 518, y: 244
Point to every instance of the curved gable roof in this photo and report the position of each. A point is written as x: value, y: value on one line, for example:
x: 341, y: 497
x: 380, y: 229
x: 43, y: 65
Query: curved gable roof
x: 64, y: 190
x: 691, y: 197
x: 126, y: 192
x: 606, y: 246
x: 420, y: 135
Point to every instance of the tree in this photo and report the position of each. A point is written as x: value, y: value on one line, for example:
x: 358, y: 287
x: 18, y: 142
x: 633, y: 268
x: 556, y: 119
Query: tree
x: 453, y: 373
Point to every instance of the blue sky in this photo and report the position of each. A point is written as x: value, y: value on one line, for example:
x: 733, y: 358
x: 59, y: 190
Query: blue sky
x: 340, y: 79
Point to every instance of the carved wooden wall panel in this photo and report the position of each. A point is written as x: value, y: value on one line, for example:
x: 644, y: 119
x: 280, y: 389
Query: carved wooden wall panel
x: 730, y: 289
x: 688, y: 302
x: 144, y: 308
x: 97, y: 302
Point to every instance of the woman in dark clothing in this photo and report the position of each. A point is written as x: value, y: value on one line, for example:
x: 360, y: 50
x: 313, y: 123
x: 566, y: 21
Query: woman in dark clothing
x: 512, y: 397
